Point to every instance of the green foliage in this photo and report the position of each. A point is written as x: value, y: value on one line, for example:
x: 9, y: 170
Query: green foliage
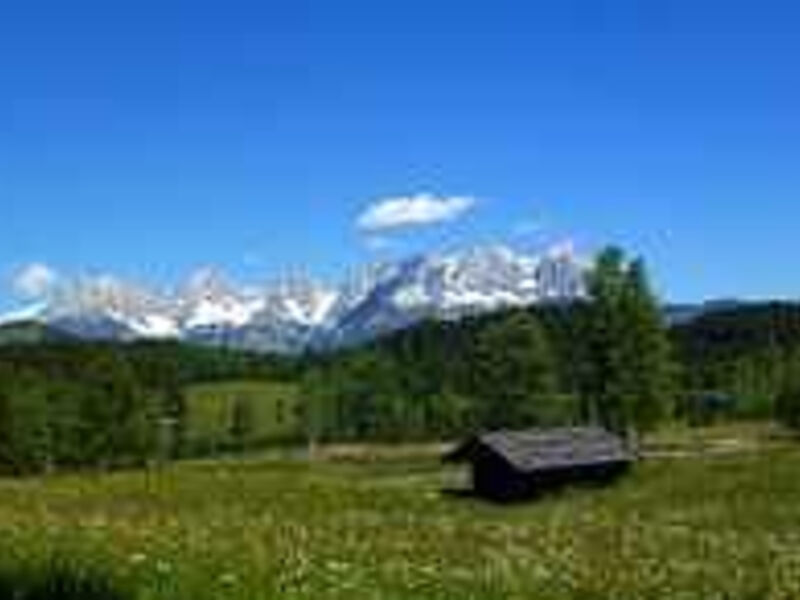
x: 437, y: 380
x: 514, y: 372
x: 627, y: 375
x: 239, y: 415
x: 76, y: 405
x: 25, y: 434
x: 750, y: 352
x: 101, y: 419
x: 242, y: 424
x: 704, y: 408
x: 57, y: 581
x: 356, y: 398
x: 650, y: 373
x: 173, y: 422
x: 787, y: 405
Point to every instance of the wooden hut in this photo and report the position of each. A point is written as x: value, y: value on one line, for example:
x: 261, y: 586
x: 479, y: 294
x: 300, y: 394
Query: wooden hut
x: 509, y: 465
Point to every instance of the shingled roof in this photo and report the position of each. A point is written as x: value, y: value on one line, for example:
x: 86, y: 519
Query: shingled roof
x: 535, y: 450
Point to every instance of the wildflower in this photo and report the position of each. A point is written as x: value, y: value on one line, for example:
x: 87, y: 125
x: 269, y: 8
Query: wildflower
x: 163, y: 567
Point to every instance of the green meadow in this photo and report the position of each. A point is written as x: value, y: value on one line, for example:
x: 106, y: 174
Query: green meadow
x: 705, y: 526
x: 272, y: 418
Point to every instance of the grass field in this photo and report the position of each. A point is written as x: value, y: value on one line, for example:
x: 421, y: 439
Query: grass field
x: 210, y: 409
x: 715, y: 527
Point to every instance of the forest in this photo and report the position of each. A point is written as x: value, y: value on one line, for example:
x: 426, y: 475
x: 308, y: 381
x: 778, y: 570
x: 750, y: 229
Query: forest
x: 611, y: 360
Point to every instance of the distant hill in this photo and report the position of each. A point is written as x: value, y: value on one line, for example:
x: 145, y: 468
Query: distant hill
x: 155, y: 364
x: 735, y: 329
x: 681, y: 314
x: 31, y: 332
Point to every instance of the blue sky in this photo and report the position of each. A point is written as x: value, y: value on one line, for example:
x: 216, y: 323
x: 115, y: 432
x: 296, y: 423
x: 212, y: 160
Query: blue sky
x: 147, y: 138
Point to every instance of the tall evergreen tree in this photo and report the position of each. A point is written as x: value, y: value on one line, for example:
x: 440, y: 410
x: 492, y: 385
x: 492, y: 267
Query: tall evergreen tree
x: 627, y: 375
x: 603, y: 365
x: 649, y: 370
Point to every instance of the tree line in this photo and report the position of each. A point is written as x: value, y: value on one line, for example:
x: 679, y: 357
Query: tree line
x: 750, y: 353
x: 73, y: 405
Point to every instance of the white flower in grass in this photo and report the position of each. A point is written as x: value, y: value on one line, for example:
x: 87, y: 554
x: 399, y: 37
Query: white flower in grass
x: 163, y: 567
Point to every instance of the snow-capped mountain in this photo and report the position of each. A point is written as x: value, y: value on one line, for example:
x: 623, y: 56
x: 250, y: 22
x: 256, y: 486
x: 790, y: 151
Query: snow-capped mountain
x: 209, y: 300
x: 106, y: 307
x: 451, y: 286
x: 296, y: 314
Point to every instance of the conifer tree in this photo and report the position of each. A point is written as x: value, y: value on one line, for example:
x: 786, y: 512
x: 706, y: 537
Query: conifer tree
x: 649, y: 371
x: 627, y: 375
x: 603, y: 368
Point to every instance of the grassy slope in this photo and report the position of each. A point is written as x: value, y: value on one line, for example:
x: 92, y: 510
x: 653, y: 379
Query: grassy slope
x: 713, y: 528
x: 30, y: 332
x: 274, y: 407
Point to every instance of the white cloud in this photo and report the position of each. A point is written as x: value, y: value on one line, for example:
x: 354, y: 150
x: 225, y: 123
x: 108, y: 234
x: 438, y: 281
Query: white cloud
x: 413, y: 211
x: 34, y: 280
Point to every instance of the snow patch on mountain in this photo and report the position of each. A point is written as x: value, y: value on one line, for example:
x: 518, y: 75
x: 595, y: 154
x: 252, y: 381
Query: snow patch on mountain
x: 297, y: 313
x: 32, y: 312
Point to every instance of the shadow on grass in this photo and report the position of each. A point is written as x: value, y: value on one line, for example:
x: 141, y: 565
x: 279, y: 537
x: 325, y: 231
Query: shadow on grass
x: 531, y: 493
x: 56, y: 583
x: 460, y: 493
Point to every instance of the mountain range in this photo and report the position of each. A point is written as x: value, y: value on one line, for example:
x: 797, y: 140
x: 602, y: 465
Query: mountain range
x: 298, y: 314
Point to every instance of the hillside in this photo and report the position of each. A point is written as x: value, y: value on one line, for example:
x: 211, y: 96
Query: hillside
x: 241, y: 414
x: 31, y: 332
x: 734, y: 331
